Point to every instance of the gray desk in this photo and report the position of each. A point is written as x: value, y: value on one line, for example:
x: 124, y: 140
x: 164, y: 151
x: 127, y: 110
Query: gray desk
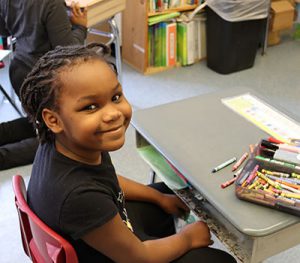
x: 196, y: 135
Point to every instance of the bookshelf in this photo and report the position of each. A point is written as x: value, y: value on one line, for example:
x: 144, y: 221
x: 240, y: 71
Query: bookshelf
x: 135, y: 34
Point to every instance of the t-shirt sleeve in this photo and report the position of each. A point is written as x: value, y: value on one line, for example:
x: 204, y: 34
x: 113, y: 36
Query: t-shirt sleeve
x: 85, y: 209
x: 59, y: 27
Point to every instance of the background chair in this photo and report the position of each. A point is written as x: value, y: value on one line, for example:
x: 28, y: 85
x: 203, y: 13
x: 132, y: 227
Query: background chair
x: 40, y: 243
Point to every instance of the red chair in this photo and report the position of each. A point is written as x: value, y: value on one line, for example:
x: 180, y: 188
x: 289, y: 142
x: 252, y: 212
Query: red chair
x: 40, y: 242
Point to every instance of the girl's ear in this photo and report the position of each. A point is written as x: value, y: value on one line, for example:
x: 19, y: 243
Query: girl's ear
x: 52, y: 120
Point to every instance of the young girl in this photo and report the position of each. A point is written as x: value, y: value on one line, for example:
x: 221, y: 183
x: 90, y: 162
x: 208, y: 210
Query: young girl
x: 76, y: 103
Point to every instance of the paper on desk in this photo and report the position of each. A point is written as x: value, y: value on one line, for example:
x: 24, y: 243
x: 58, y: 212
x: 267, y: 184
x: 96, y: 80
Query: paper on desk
x: 4, y: 53
x: 264, y: 116
x: 157, y: 162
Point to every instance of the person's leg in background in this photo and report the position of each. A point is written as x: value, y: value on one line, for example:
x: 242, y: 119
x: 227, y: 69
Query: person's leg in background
x: 151, y: 222
x: 18, y: 142
x: 19, y: 153
x: 15, y: 130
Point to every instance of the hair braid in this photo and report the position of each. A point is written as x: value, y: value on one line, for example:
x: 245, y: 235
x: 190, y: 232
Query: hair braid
x: 42, y: 86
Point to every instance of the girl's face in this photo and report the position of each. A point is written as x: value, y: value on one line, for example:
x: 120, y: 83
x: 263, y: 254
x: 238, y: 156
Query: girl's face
x: 93, y: 112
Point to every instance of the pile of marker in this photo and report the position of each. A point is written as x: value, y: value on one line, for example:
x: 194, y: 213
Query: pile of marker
x: 270, y: 181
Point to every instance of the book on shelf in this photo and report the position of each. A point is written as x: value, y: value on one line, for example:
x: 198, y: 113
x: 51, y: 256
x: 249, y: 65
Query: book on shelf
x: 181, y: 43
x: 201, y: 34
x: 171, y: 44
x: 157, y: 45
x: 191, y: 40
x: 162, y: 39
x: 100, y: 10
x: 160, y: 18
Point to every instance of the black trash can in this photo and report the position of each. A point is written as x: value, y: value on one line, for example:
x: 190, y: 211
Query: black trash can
x: 232, y: 46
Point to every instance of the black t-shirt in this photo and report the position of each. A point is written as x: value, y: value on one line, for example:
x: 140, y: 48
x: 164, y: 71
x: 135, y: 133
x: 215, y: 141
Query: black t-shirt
x: 73, y: 198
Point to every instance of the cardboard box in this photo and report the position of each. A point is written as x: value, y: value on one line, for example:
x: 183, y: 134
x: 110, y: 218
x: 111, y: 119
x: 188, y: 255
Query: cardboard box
x: 273, y: 38
x: 282, y: 15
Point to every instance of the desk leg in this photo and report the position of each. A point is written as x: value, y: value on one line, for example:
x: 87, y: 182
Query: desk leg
x: 116, y: 40
x: 113, y: 37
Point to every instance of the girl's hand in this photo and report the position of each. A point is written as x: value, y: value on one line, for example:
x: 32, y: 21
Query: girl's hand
x: 78, y: 15
x: 173, y: 205
x: 197, y: 234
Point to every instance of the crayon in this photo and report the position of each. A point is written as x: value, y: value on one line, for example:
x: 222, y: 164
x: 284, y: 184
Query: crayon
x: 279, y: 174
x: 251, y: 148
x: 240, y: 161
x: 252, y: 174
x: 290, y: 189
x: 290, y: 195
x: 271, y: 182
x: 294, y: 175
x: 295, y: 186
x: 294, y: 183
x: 229, y: 182
x: 244, y: 177
x: 254, y: 184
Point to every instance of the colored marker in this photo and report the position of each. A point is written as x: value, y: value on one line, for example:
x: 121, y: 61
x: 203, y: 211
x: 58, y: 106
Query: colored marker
x: 277, y: 162
x: 274, y: 146
x: 274, y: 140
x: 229, y: 182
x: 240, y: 161
x: 223, y: 165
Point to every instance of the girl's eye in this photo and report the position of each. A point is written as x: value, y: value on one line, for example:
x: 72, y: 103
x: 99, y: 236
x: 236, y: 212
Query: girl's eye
x: 116, y: 97
x: 90, y: 107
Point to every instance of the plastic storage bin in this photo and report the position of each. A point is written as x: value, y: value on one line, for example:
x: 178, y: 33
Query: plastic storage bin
x: 232, y: 46
x: 267, y: 181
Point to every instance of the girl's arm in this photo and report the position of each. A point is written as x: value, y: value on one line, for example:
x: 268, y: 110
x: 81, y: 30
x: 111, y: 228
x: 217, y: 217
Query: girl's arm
x: 117, y: 242
x: 139, y: 192
x: 59, y: 27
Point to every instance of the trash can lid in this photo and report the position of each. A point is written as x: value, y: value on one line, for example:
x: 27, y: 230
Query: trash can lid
x: 240, y: 10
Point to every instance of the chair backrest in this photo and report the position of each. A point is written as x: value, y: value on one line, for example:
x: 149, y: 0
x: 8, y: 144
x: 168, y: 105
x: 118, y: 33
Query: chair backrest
x: 40, y: 242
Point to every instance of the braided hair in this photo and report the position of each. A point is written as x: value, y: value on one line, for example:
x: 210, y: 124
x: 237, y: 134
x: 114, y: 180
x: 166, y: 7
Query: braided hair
x: 42, y: 86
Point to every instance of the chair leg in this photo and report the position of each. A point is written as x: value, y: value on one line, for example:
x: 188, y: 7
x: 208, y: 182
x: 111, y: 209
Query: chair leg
x: 11, y: 101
